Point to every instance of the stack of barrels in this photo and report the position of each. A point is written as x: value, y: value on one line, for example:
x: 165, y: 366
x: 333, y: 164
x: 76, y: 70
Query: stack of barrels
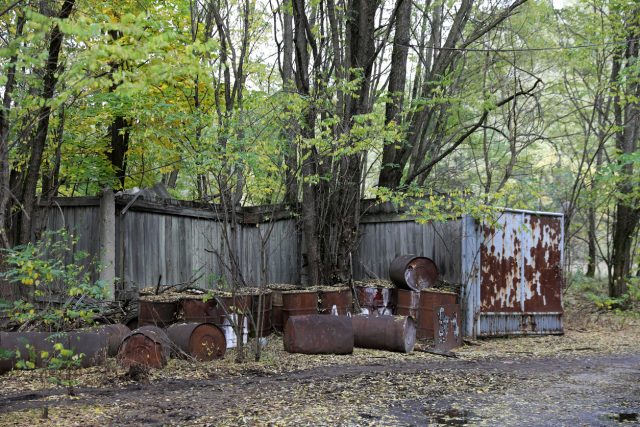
x: 392, y: 315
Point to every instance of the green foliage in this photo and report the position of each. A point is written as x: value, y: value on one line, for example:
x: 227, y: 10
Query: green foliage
x: 52, y: 269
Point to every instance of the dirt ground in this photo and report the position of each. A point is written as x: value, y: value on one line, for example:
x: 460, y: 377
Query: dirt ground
x: 589, y: 376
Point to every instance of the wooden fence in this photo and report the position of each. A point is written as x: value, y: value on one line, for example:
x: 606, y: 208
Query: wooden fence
x: 174, y: 242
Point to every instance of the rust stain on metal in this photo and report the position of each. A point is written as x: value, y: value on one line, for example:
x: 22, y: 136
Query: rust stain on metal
x: 521, y: 275
x: 318, y: 334
x: 448, y: 322
x: 203, y: 341
x: 393, y: 333
x: 407, y: 303
x: 500, y: 258
x: 297, y: 303
x: 146, y: 346
x: 413, y: 272
x: 430, y: 300
x: 197, y: 310
x: 375, y: 300
x: 341, y: 299
x: 264, y: 316
x: 543, y: 265
x: 93, y: 345
x: 157, y: 313
x: 116, y: 333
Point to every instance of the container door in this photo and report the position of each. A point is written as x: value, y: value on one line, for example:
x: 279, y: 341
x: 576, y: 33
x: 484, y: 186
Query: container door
x: 501, y: 266
x: 521, y: 275
x: 542, y: 264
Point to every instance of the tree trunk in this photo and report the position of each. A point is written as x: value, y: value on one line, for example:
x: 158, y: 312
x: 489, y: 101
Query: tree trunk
x: 119, y: 132
x: 390, y: 172
x: 40, y: 138
x: 627, y: 119
x: 5, y: 170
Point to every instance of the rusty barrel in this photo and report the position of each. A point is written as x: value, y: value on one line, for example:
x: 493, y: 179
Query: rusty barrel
x: 156, y: 313
x: 195, y: 309
x: 429, y: 300
x: 299, y: 303
x: 318, y: 334
x: 93, y: 345
x: 413, y: 272
x: 394, y: 333
x: 276, y: 303
x: 375, y: 300
x: 340, y: 297
x: 146, y: 346
x: 407, y: 303
x: 202, y: 341
x: 115, y: 333
x: 228, y: 304
x: 263, y: 317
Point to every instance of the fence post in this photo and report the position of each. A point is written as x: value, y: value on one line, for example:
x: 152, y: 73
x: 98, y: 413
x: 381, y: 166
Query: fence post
x: 108, y: 241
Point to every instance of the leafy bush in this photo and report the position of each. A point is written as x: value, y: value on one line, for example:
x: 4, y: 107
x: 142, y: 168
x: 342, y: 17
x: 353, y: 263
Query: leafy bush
x: 61, y: 293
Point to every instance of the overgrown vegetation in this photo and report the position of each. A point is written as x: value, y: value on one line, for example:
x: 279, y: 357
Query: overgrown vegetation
x: 316, y: 104
x: 59, y: 292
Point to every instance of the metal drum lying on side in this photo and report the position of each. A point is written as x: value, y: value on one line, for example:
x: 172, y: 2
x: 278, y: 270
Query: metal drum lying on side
x: 413, y: 272
x: 319, y: 334
x: 203, y: 341
x: 146, y: 346
x: 429, y: 300
x: 407, y: 303
x: 28, y: 346
x: 394, y: 333
x: 338, y: 297
x: 115, y: 333
x: 299, y: 302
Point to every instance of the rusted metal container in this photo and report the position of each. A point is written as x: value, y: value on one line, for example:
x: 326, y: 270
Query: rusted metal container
x: 299, y: 303
x: 203, y: 341
x: 195, y: 309
x: 115, y: 333
x: 375, y: 300
x: 146, y: 346
x: 394, y: 333
x: 338, y: 297
x: 318, y: 334
x: 239, y: 304
x: 156, y: 313
x: 447, y: 321
x: 407, y: 303
x: 430, y: 299
x: 276, y: 303
x: 92, y: 345
x: 413, y: 272
x: 519, y: 286
x: 262, y: 317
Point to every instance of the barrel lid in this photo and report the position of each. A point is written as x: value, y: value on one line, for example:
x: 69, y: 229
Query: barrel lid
x: 413, y: 272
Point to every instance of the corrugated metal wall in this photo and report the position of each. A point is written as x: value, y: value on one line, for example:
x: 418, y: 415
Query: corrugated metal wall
x: 519, y: 286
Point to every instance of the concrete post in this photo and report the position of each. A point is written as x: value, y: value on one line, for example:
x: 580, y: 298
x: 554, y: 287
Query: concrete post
x: 108, y: 242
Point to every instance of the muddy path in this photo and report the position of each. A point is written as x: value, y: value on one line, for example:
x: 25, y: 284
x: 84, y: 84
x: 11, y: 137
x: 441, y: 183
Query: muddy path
x: 593, y: 389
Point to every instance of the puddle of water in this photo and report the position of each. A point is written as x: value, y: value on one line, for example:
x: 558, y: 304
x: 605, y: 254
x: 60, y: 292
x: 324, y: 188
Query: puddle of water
x: 624, y: 417
x: 450, y: 417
